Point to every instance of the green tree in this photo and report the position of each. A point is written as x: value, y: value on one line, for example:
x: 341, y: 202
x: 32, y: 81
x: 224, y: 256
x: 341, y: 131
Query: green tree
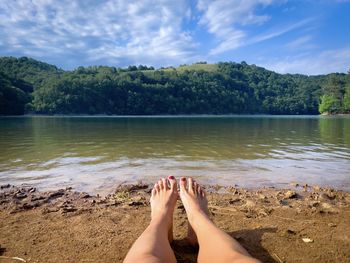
x: 346, y: 100
x: 329, y: 104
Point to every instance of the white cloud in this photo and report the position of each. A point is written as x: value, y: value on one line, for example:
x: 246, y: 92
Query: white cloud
x: 313, y: 64
x: 147, y: 31
x: 223, y: 17
x: 299, y: 42
x: 278, y: 32
x: 226, y: 20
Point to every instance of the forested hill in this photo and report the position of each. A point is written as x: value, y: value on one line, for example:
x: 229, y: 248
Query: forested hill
x: 31, y: 86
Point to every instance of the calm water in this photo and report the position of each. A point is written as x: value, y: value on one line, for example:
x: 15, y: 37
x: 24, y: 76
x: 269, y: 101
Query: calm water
x: 95, y: 154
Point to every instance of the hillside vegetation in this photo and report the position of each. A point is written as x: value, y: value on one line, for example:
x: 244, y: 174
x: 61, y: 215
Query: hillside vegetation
x: 31, y: 86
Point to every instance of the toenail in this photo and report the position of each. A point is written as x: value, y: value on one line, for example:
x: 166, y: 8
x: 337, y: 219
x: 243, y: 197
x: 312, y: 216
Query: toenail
x: 171, y: 177
x: 183, y: 179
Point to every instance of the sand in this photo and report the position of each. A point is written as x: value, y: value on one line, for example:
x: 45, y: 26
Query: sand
x: 299, y: 224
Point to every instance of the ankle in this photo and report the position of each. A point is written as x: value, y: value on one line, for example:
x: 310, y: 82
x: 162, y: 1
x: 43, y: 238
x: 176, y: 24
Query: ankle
x: 196, y: 217
x: 161, y: 219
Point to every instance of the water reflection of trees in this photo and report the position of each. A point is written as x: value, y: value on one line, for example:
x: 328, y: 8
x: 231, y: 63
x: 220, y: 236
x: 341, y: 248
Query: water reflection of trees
x: 40, y: 139
x: 335, y: 130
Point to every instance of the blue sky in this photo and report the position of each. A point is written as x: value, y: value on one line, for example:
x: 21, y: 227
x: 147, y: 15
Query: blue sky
x: 309, y: 37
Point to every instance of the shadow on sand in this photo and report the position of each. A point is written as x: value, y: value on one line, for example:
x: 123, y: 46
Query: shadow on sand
x: 250, y: 239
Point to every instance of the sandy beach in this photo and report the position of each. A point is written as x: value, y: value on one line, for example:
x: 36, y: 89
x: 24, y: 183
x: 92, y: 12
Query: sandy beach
x: 298, y: 224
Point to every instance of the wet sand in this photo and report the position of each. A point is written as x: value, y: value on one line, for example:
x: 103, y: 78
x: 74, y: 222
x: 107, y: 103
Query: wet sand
x: 299, y: 224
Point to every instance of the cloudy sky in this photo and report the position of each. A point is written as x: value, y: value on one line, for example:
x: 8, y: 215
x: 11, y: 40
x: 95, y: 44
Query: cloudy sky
x: 288, y: 36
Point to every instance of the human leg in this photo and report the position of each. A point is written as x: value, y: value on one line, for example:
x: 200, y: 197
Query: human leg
x: 214, y: 244
x: 154, y: 243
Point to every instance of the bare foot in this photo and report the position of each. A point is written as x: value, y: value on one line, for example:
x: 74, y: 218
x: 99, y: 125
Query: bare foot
x: 163, y: 201
x: 195, y: 202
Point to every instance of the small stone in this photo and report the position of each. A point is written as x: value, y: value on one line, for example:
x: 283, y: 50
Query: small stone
x: 27, y: 206
x: 37, y: 198
x: 5, y: 186
x: 263, y: 213
x: 56, y: 194
x: 84, y: 195
x: 307, y: 240
x: 331, y: 195
x: 135, y: 203
x: 290, y: 194
x: 235, y: 200
x: 332, y: 225
x: 284, y: 202
x: 68, y: 209
x: 249, y: 203
x: 291, y: 232
x: 47, y: 210
x: 317, y: 188
x: 314, y: 204
x: 20, y: 195
x: 326, y: 206
x: 262, y: 197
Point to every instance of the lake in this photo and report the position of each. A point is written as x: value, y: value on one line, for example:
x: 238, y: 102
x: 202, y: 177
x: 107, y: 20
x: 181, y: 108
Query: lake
x: 95, y: 154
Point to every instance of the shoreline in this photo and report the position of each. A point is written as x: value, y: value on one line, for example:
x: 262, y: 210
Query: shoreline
x: 181, y: 115
x: 176, y: 116
x: 308, y: 224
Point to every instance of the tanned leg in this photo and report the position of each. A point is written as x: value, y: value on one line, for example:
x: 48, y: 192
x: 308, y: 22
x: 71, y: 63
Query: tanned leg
x: 214, y: 244
x: 154, y: 243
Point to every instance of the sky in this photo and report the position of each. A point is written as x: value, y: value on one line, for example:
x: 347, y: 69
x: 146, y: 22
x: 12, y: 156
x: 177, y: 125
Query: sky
x: 287, y: 36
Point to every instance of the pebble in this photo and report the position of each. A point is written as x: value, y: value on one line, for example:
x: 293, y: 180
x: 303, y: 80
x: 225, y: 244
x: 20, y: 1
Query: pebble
x: 135, y: 203
x: 325, y: 196
x: 307, y: 240
x: 262, y: 197
x: 332, y: 225
x: 326, y: 206
x: 68, y: 209
x: 84, y: 195
x: 290, y: 194
x: 249, y: 203
x: 290, y: 231
x: 317, y: 188
x: 284, y: 202
x: 232, y: 201
x: 20, y: 195
x: 314, y: 204
x: 56, y: 194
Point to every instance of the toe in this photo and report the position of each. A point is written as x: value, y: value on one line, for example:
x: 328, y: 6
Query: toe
x: 156, y: 187
x: 154, y: 191
x: 195, y: 188
x: 165, y: 184
x: 190, y: 185
x: 199, y: 190
x: 173, y: 184
x: 183, y: 182
x: 202, y: 192
x: 160, y: 184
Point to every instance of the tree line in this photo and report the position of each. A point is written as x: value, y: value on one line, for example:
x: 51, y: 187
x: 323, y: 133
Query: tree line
x: 31, y: 86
